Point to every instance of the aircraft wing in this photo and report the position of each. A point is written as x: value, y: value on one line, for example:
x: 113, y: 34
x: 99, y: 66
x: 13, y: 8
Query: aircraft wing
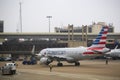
x: 101, y: 51
x: 96, y: 51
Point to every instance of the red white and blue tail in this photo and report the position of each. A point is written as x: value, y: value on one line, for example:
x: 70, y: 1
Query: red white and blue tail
x: 100, y: 40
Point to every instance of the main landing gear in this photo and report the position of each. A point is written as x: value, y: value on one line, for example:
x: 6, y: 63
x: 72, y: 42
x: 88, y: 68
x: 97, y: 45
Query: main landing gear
x: 77, y: 63
x: 60, y: 64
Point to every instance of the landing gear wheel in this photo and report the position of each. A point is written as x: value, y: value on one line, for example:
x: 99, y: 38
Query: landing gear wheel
x: 77, y: 64
x: 59, y: 64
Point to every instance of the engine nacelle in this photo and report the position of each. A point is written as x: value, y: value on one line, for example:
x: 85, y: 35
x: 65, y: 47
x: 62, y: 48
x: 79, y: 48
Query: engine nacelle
x: 70, y: 60
x: 45, y: 60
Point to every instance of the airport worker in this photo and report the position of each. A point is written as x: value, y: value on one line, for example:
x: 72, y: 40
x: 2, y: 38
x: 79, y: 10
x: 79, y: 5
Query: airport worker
x: 50, y: 66
x: 106, y: 60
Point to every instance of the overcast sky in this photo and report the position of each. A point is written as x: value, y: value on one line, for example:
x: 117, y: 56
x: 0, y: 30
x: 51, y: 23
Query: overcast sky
x: 63, y: 12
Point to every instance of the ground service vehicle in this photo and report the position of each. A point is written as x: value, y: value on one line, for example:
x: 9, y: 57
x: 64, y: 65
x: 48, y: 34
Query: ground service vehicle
x: 9, y: 68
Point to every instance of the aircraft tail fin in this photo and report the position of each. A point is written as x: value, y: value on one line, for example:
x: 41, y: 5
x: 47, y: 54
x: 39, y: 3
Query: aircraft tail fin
x: 100, y: 40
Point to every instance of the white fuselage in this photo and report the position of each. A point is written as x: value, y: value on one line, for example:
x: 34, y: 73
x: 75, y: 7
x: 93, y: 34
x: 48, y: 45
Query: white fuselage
x: 68, y: 53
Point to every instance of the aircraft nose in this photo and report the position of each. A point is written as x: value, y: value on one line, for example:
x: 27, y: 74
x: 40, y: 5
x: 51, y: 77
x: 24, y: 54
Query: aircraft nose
x: 42, y: 54
x: 39, y: 55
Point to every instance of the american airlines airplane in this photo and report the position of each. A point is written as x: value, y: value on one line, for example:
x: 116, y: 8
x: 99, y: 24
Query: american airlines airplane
x: 73, y: 55
x: 114, y: 53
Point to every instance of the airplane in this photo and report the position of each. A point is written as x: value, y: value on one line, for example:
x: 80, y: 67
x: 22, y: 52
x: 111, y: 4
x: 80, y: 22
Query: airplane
x: 114, y: 53
x: 73, y: 55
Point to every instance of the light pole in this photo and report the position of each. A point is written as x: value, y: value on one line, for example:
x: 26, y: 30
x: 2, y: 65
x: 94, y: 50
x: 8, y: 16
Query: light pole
x: 49, y: 21
x: 20, y: 16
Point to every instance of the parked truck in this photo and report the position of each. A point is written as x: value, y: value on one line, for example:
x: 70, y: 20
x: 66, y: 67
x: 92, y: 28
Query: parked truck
x: 9, y: 68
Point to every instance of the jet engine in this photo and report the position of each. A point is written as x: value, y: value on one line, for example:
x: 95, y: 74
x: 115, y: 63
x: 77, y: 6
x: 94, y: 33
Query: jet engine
x: 45, y: 60
x: 70, y: 60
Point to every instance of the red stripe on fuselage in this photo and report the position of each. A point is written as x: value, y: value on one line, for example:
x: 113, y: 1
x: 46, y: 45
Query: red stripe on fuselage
x: 95, y: 48
x: 88, y: 53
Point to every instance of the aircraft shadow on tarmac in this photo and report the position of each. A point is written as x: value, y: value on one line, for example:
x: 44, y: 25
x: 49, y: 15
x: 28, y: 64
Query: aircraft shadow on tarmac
x: 81, y: 66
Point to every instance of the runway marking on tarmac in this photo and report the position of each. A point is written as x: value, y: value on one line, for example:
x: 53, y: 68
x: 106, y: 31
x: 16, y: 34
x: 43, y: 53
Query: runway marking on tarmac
x: 69, y: 75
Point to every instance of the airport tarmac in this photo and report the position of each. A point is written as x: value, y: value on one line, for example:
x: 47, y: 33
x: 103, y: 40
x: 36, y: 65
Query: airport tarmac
x: 88, y: 70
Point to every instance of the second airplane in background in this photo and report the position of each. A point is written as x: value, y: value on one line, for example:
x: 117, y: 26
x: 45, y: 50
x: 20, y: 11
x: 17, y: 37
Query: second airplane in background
x: 73, y: 55
x: 114, y: 53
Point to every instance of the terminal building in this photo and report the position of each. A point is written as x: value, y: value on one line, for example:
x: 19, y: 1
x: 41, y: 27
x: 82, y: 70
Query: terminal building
x: 21, y: 43
x: 94, y: 28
